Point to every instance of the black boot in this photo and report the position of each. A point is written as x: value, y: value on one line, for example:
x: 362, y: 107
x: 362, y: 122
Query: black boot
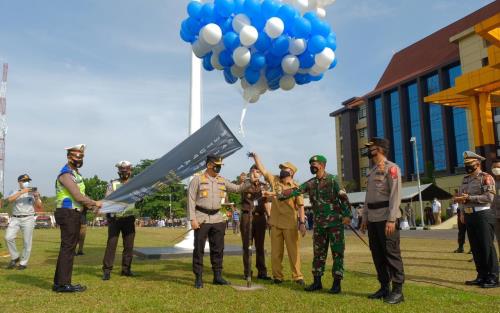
x: 106, y: 276
x: 198, y: 282
x: 218, y: 280
x: 317, y: 285
x: 336, y: 287
x: 460, y: 249
x: 396, y: 296
x: 381, y: 293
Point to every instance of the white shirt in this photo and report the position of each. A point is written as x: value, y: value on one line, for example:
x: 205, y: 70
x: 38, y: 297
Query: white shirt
x: 24, y: 204
x: 454, y: 207
x: 436, y: 207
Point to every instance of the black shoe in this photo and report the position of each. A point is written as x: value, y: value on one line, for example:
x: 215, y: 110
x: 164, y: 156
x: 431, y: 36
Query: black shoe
x: 21, y: 267
x: 277, y: 281
x: 381, y: 293
x: 218, y: 280
x: 69, y: 288
x: 198, y: 282
x: 127, y: 274
x: 476, y: 282
x: 336, y: 287
x: 79, y: 288
x: 316, y: 285
x: 396, y: 296
x: 79, y: 253
x: 106, y: 276
x: 263, y: 277
x: 12, y: 264
x: 490, y: 283
x: 470, y: 252
x: 459, y: 250
x: 300, y: 282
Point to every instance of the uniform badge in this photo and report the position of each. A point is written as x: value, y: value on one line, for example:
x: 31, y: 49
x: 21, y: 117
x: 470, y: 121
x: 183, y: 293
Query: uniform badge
x: 489, y: 180
x: 393, y: 171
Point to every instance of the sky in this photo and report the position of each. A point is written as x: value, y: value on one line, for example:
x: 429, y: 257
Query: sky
x: 115, y: 76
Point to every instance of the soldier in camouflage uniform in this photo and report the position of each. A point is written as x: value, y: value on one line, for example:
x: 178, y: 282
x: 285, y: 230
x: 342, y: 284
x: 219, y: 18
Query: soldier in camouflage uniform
x: 331, y: 213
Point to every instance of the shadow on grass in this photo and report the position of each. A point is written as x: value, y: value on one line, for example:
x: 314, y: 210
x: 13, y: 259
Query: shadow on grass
x: 426, y: 251
x: 29, y: 280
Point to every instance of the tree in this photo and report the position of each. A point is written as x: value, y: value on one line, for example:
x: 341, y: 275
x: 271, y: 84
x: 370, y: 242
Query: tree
x: 95, y: 188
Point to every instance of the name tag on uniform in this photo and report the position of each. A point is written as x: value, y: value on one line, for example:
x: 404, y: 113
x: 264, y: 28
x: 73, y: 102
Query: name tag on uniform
x: 469, y: 210
x: 255, y: 202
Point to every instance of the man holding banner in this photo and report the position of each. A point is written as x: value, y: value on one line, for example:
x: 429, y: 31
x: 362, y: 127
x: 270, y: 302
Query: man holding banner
x: 206, y: 193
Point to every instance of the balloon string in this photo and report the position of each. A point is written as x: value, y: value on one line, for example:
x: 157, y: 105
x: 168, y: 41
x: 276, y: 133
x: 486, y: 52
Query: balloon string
x: 242, y: 119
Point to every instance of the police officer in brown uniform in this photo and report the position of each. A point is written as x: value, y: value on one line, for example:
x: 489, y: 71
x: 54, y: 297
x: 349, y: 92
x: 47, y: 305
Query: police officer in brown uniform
x: 383, y: 197
x: 477, y: 193
x: 255, y: 208
x: 206, y: 193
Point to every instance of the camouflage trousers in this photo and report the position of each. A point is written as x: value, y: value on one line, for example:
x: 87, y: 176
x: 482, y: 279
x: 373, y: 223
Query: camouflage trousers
x: 323, y: 238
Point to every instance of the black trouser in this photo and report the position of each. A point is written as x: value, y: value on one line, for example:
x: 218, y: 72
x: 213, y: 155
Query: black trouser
x: 462, y: 231
x: 125, y: 225
x: 215, y: 234
x: 258, y: 235
x: 386, y: 254
x: 481, y: 231
x: 69, y: 223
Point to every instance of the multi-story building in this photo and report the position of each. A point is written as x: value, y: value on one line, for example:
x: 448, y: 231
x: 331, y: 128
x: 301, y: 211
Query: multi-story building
x: 397, y: 110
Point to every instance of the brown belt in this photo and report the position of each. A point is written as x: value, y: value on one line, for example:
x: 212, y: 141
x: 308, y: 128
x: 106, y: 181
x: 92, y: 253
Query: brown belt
x: 208, y: 212
x: 378, y: 205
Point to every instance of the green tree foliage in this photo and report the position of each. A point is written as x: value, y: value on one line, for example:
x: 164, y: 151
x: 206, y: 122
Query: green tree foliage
x: 168, y: 197
x: 95, y: 188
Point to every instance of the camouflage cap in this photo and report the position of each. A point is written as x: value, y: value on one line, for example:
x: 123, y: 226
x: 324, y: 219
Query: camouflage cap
x: 317, y: 158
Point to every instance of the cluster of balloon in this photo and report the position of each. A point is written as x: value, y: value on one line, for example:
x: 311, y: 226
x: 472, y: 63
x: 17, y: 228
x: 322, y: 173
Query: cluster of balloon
x: 267, y: 44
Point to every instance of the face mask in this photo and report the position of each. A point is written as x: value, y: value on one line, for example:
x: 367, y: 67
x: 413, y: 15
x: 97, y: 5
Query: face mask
x: 496, y: 171
x: 124, y: 175
x: 25, y: 184
x: 470, y: 168
x: 285, y: 174
x: 217, y: 168
x: 314, y: 170
x: 371, y: 154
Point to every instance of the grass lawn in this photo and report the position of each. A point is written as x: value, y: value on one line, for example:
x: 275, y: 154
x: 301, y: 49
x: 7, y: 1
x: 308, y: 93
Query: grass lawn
x: 167, y: 286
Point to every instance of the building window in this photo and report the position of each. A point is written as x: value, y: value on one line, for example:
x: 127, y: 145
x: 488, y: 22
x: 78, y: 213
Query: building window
x: 364, y: 171
x: 485, y: 62
x: 415, y: 125
x: 362, y: 132
x: 436, y: 123
x: 362, y: 112
x: 459, y: 120
x: 397, y: 134
x: 363, y: 152
x: 379, y: 118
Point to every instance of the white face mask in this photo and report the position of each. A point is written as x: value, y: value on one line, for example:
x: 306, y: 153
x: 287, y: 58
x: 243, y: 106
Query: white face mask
x: 25, y: 184
x: 496, y: 171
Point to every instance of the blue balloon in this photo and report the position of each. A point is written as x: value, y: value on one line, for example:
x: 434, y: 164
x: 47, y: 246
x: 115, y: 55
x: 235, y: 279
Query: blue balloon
x: 187, y: 37
x: 321, y: 28
x: 272, y: 60
x: 280, y: 46
x: 224, y: 7
x: 301, y: 28
x: 231, y: 40
x: 331, y: 41
x: 270, y: 8
x: 207, y: 13
x: 258, y: 61
x: 306, y: 60
x: 273, y: 75
x: 252, y: 76
x: 207, y: 65
x: 287, y: 14
x: 302, y: 79
x: 238, y: 6
x: 228, y: 76
x: 334, y: 63
x: 263, y: 42
x: 193, y: 26
x: 194, y: 9
x: 316, y: 44
x: 226, y: 58
x: 258, y: 21
x: 317, y: 78
x: 226, y: 25
x: 252, y: 7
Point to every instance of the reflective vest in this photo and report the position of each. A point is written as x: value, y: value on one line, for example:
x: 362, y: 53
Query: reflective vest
x: 64, y: 199
x: 115, y: 184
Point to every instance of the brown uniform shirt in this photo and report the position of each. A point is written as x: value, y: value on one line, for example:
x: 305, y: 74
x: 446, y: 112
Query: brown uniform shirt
x: 480, y: 188
x: 384, y: 184
x: 284, y: 213
x: 252, y: 200
x: 208, y: 193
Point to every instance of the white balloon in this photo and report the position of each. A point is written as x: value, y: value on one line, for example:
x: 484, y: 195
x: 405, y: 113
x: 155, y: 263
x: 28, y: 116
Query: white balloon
x: 244, y: 84
x: 248, y: 35
x: 301, y: 5
x: 324, y: 58
x: 211, y: 34
x: 237, y: 71
x: 251, y: 94
x: 287, y: 82
x: 321, y: 12
x: 274, y: 27
x: 240, y: 21
x: 200, y: 49
x: 241, y: 56
x: 297, y: 46
x: 219, y: 47
x: 317, y: 69
x: 262, y: 83
x: 290, y: 64
x: 214, y: 59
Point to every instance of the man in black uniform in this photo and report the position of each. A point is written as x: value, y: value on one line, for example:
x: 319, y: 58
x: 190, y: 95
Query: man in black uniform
x: 476, y: 194
x: 380, y: 217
